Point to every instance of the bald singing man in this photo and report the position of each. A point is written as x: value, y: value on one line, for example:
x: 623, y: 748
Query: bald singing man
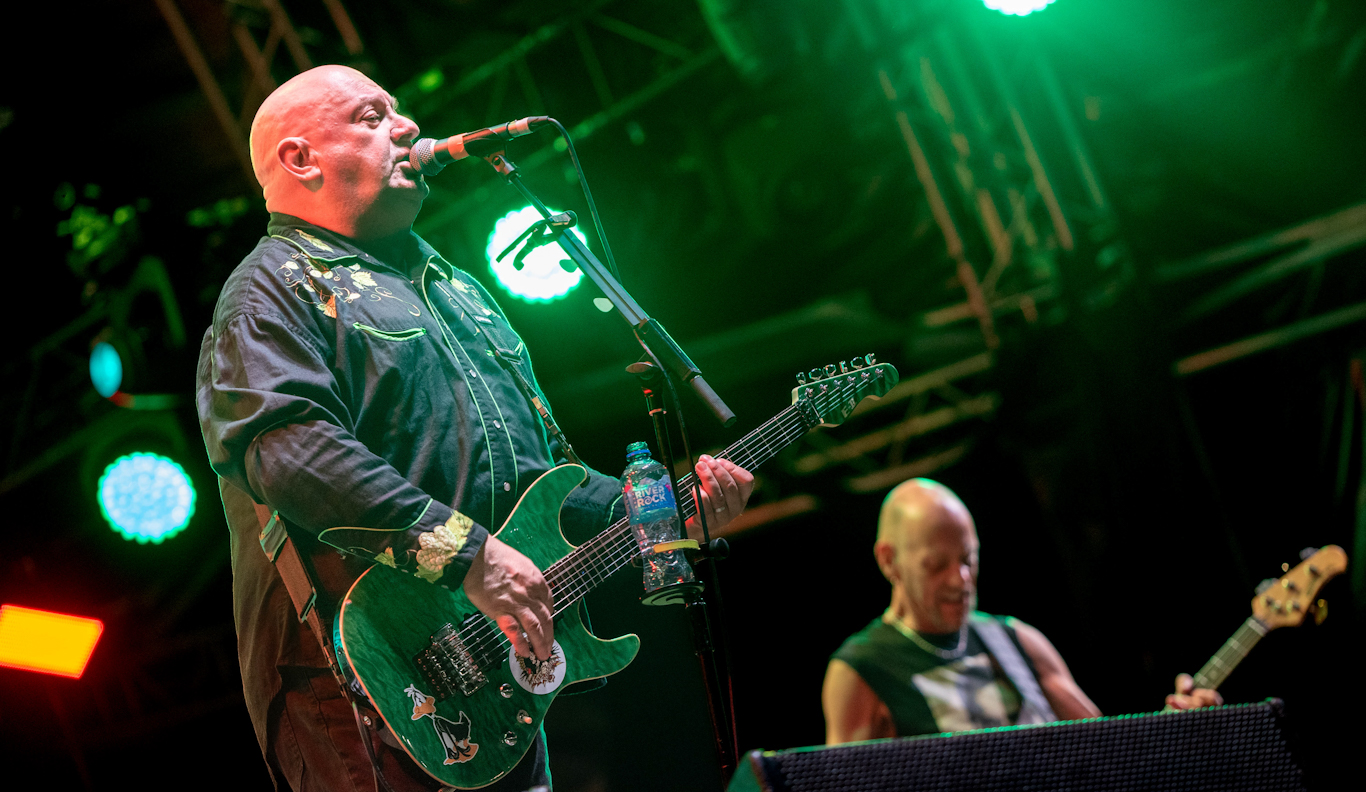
x: 932, y: 663
x: 354, y: 377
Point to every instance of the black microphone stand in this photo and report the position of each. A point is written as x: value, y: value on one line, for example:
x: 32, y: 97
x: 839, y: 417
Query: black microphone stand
x: 670, y: 363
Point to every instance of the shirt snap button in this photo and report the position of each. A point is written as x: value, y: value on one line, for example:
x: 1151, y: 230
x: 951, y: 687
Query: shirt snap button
x: 507, y: 487
x: 497, y: 425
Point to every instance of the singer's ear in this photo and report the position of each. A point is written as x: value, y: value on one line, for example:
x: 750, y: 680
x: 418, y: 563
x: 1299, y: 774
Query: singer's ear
x: 298, y: 159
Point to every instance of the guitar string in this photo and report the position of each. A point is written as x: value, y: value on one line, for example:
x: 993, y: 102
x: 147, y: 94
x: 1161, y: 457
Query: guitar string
x: 617, y: 546
x: 486, y: 636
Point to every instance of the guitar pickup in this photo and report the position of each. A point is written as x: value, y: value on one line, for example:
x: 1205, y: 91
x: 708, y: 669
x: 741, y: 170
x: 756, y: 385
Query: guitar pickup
x: 448, y: 666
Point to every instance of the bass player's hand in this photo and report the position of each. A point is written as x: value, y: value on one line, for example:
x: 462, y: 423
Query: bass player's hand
x: 1188, y: 696
x: 505, y: 586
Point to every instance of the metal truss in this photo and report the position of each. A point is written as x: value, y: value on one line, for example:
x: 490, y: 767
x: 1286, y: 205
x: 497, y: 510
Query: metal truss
x: 1022, y: 213
x: 247, y: 19
x: 619, y: 94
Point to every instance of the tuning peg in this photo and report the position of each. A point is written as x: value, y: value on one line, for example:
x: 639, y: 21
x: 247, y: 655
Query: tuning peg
x: 801, y: 378
x: 1285, y: 567
x: 1265, y: 584
x: 1307, y: 552
x: 1320, y: 611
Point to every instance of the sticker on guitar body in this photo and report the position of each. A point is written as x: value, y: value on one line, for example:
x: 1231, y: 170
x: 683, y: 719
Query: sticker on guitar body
x: 538, y: 676
x: 454, y: 735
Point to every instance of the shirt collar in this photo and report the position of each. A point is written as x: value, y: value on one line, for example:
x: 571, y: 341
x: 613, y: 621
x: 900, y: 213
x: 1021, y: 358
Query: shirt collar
x: 329, y: 246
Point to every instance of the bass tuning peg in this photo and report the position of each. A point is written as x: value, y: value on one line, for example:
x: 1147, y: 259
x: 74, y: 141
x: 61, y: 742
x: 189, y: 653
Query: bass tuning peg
x: 1307, y: 552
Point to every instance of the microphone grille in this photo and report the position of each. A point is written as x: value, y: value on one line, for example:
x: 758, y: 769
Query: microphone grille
x: 423, y: 157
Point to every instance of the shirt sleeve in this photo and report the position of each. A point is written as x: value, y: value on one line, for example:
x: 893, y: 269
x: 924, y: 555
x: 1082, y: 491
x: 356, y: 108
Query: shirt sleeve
x: 275, y: 425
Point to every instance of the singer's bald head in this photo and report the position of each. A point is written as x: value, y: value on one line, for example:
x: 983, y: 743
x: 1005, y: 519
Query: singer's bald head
x: 329, y: 146
x: 296, y: 109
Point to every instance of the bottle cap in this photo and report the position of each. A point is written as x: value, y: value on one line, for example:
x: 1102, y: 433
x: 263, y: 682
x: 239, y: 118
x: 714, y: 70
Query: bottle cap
x: 637, y: 450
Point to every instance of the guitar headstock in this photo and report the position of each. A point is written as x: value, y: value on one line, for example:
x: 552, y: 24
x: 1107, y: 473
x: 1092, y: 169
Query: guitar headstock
x: 1285, y: 601
x: 831, y: 393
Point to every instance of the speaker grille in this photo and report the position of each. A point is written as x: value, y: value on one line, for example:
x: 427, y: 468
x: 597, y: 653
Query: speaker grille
x: 1226, y: 748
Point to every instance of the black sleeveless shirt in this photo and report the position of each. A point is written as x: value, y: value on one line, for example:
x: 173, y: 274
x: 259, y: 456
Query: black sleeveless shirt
x: 927, y: 693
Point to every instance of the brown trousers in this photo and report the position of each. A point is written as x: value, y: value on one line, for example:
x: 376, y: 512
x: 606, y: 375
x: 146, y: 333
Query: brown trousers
x: 313, y: 745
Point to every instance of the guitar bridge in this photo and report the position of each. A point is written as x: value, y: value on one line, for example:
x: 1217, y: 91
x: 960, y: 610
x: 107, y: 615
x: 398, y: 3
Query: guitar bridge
x: 448, y: 665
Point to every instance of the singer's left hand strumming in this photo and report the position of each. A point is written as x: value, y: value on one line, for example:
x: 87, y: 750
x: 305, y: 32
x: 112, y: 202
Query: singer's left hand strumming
x: 726, y: 488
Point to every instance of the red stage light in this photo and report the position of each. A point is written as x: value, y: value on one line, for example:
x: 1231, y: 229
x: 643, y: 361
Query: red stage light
x: 53, y: 643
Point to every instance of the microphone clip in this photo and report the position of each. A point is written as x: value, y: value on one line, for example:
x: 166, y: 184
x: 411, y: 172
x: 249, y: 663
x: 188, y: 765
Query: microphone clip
x: 546, y: 231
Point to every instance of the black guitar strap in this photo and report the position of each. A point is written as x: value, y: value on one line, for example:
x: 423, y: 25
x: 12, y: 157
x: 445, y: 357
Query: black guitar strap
x: 298, y: 579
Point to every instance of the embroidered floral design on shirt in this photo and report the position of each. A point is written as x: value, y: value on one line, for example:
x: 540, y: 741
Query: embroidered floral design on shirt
x: 361, y: 278
x: 441, y: 545
x: 323, y: 288
x: 312, y: 240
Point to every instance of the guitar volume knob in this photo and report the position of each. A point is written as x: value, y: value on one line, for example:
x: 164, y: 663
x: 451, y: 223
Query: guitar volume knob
x: 509, y: 738
x: 505, y: 690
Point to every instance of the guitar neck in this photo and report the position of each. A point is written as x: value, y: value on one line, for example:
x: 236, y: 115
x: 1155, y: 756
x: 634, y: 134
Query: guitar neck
x: 594, y: 561
x: 1214, y: 672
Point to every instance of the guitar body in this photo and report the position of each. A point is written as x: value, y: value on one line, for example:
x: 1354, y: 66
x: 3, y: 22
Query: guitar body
x: 468, y: 741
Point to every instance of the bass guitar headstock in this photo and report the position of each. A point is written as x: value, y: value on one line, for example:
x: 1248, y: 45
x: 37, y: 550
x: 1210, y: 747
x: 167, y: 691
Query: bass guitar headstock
x: 830, y: 394
x: 1284, y: 602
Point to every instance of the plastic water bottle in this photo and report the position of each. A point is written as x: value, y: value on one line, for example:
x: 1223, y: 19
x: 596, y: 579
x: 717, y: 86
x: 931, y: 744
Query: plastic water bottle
x: 654, y: 518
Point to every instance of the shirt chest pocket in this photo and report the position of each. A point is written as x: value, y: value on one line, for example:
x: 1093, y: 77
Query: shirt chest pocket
x: 397, y: 336
x: 381, y: 351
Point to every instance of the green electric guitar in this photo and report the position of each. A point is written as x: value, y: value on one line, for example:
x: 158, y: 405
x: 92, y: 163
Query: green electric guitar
x: 445, y: 678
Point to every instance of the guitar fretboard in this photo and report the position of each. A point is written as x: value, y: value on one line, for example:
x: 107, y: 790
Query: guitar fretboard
x: 582, y: 570
x: 1214, y: 672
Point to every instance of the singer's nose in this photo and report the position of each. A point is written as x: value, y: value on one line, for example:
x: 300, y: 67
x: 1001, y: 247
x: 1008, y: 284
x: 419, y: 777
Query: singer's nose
x: 405, y: 130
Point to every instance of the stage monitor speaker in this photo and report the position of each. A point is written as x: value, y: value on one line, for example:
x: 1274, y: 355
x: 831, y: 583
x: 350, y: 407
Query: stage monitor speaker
x: 1241, y: 747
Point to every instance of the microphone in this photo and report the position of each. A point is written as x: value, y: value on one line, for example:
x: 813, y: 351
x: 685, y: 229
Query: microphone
x: 429, y: 156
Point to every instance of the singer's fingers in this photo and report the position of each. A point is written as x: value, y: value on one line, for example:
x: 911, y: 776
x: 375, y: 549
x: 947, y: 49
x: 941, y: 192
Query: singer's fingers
x: 538, y: 632
x: 508, y: 624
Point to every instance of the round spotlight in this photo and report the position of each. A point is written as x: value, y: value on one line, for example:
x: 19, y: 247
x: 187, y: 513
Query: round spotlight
x: 106, y: 369
x: 146, y: 497
x: 541, y: 278
x: 1017, y: 7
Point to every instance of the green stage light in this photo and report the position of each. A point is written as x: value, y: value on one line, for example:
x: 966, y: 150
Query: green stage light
x: 106, y: 369
x: 1017, y: 7
x: 146, y: 497
x: 541, y: 278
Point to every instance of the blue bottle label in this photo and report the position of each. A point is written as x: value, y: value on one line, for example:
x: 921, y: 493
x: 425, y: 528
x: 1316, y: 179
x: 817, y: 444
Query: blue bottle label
x: 659, y: 496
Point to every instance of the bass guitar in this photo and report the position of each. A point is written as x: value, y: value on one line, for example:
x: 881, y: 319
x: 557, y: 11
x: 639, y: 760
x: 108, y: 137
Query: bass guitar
x: 445, y: 679
x: 1283, y: 602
